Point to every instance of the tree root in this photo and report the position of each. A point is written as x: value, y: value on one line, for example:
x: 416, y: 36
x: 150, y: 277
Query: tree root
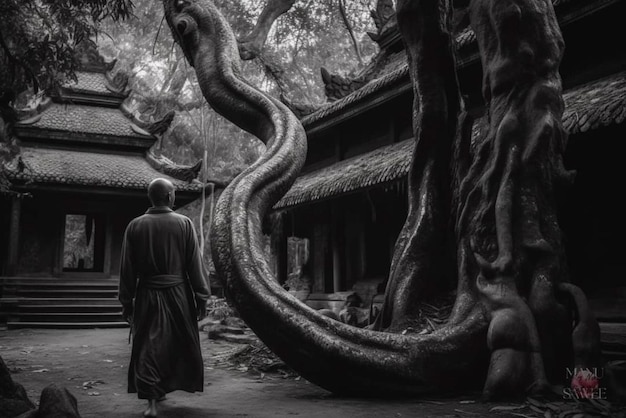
x: 586, y: 331
x: 508, y: 242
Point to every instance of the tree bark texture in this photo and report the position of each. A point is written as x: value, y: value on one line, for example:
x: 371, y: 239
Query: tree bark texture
x: 510, y: 328
x: 509, y: 242
x: 420, y: 253
x: 250, y: 46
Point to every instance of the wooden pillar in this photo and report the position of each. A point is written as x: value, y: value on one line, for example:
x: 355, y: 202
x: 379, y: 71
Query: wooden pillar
x: 335, y: 236
x: 279, y: 248
x: 57, y: 269
x: 360, y: 244
x: 14, y: 236
x: 317, y: 258
x: 108, y: 244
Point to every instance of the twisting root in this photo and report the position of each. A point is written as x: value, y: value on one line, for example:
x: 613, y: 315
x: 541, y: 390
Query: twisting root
x: 420, y: 260
x: 336, y: 356
x: 507, y: 191
x: 508, y: 210
x: 586, y: 332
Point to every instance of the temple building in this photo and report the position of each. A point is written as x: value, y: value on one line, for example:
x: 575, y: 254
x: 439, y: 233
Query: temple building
x: 346, y: 209
x: 81, y: 168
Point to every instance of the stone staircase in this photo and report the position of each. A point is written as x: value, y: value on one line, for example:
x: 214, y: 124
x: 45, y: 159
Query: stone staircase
x: 50, y: 302
x: 609, y: 308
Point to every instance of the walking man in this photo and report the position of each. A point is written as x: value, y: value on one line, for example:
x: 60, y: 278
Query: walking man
x: 163, y: 293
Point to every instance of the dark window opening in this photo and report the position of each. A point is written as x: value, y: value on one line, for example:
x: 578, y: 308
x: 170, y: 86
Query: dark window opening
x: 83, y: 243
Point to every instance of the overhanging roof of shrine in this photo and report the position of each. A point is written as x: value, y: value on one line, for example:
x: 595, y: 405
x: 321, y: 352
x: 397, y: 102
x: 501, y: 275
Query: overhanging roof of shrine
x: 97, y: 88
x: 380, y: 166
x: 80, y: 119
x: 48, y: 166
x: 90, y: 82
x: 587, y: 107
x: 389, y: 76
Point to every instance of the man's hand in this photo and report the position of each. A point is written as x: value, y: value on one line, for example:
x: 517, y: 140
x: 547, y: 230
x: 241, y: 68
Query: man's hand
x: 127, y: 314
x: 201, y: 313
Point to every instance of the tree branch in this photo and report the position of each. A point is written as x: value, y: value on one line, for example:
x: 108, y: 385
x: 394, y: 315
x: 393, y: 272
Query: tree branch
x: 250, y: 46
x: 344, y: 17
x: 19, y: 62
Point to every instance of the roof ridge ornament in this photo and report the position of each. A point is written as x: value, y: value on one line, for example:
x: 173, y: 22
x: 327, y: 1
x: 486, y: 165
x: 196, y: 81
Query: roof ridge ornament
x: 117, y: 82
x: 32, y: 110
x: 89, y: 58
x: 143, y: 127
x: 384, y: 17
x: 338, y: 86
x: 164, y: 165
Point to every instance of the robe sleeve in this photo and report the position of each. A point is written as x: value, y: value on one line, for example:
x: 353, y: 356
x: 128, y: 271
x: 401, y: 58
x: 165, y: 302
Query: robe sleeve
x: 195, y: 269
x: 128, y: 274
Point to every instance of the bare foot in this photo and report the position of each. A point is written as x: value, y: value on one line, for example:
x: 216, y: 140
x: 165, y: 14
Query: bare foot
x: 151, y: 411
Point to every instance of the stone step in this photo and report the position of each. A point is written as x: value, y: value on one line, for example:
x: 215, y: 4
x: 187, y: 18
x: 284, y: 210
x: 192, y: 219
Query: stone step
x: 50, y: 302
x: 61, y: 286
x: 59, y: 301
x: 68, y: 278
x: 66, y: 325
x: 609, y: 309
x: 74, y: 308
x: 66, y: 293
x: 70, y: 317
x: 613, y: 337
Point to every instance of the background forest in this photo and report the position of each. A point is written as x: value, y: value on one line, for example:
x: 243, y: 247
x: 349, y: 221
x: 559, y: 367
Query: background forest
x: 38, y: 39
x: 313, y: 34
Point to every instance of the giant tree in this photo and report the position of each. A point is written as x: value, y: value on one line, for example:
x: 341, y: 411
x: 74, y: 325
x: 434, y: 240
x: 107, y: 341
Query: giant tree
x: 489, y: 201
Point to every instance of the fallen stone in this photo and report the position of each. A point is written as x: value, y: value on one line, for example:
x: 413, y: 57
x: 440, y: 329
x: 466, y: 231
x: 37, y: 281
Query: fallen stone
x: 616, y: 376
x: 214, y: 331
x: 239, y: 338
x: 13, y: 398
x: 233, y: 321
x: 57, y: 402
x: 33, y: 413
x: 207, y: 322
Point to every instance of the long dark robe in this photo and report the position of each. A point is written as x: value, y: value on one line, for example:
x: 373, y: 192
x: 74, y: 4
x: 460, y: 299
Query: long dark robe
x: 161, y: 272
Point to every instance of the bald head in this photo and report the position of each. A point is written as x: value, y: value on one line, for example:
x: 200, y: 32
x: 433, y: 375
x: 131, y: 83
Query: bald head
x: 161, y: 192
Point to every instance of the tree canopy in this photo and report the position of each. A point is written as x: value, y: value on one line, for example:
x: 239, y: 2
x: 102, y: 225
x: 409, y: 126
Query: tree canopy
x: 309, y: 36
x: 38, y: 41
x: 38, y: 38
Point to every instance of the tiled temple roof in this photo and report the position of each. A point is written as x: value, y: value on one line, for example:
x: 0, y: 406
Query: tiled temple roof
x: 587, y: 107
x: 596, y: 104
x: 83, y: 168
x: 386, y: 71
x: 82, y: 137
x: 382, y: 165
x: 85, y: 119
x: 364, y: 93
x: 89, y: 82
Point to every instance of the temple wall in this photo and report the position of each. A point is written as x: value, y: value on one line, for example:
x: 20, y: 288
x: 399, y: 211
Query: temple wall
x: 39, y: 239
x: 42, y: 231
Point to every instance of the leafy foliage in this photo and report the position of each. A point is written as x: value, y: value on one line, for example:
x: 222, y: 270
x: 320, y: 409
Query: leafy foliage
x: 309, y: 36
x: 38, y: 37
x: 78, y: 249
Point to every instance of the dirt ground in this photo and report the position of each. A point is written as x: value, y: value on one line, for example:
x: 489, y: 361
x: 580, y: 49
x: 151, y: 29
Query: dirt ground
x: 92, y: 364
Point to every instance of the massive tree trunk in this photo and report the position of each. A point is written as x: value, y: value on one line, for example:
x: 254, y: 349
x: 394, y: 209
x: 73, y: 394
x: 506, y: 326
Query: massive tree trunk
x: 419, y: 260
x: 510, y: 329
